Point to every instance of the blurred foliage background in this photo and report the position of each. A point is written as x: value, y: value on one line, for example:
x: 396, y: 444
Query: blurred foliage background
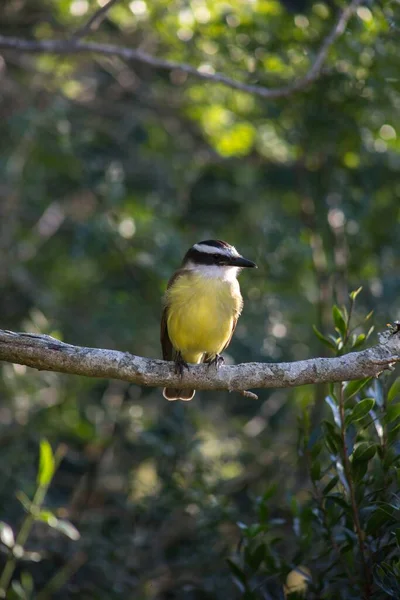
x: 109, y: 172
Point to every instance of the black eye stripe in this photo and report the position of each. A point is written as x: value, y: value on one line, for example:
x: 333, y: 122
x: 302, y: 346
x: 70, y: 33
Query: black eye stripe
x: 204, y: 258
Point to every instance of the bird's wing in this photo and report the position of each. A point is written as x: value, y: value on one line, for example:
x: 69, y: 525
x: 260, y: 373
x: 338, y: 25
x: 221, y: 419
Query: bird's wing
x: 166, y: 344
x: 234, y: 323
x: 167, y: 348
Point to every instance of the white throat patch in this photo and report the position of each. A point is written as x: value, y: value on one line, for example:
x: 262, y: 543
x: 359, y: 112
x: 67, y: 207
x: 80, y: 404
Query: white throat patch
x: 214, y: 271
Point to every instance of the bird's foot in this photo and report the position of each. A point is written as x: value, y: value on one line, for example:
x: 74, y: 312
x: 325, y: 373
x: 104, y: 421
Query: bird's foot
x: 217, y: 361
x: 180, y: 364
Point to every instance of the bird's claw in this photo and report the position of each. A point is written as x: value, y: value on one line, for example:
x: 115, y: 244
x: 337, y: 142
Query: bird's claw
x: 217, y: 361
x: 180, y: 364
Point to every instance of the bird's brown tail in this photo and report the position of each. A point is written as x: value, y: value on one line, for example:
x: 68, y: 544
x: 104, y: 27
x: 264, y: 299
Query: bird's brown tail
x: 177, y: 394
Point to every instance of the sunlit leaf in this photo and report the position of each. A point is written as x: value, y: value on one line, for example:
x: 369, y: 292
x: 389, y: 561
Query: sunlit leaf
x: 358, y: 340
x: 6, y: 535
x: 46, y: 464
x: 353, y: 295
x: 47, y: 516
x: 65, y: 527
x: 369, y: 332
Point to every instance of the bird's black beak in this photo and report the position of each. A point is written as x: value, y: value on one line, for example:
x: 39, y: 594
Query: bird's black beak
x: 239, y: 261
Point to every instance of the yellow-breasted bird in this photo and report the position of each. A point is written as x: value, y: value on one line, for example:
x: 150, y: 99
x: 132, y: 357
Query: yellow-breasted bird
x: 201, y: 307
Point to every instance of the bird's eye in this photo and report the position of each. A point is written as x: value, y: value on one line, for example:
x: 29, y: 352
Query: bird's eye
x: 216, y: 255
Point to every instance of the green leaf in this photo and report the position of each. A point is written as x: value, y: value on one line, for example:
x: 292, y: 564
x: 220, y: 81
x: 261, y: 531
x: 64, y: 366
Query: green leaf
x: 61, y: 525
x: 339, y: 321
x: 364, y: 452
x: 378, y: 518
x: 46, y: 464
x: 65, y: 527
x: 263, y: 513
x: 338, y: 500
x: 255, y: 557
x: 323, y: 339
x: 353, y: 387
x: 353, y: 295
x: 394, y: 390
x: 27, y: 582
x: 253, y: 530
x: 47, y: 516
x: 269, y: 492
x: 331, y: 443
x: 316, y: 449
x: 359, y: 470
x: 329, y: 486
x: 358, y: 340
x: 369, y: 332
x: 18, y: 591
x: 391, y: 457
x: 315, y: 471
x: 393, y: 434
x: 238, y: 574
x: 360, y: 410
x: 392, y: 413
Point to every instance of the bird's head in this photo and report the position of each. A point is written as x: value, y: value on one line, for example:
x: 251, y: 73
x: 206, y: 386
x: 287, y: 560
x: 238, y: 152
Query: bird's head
x: 215, y: 258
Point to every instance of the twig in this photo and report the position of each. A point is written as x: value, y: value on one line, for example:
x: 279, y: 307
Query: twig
x: 76, y: 46
x: 94, y: 21
x: 356, y: 516
x: 46, y: 353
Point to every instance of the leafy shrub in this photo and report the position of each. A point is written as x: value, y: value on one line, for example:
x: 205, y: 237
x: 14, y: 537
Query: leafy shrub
x: 341, y: 539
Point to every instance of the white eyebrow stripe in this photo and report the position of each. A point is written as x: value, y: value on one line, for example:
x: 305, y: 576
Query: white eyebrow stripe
x: 231, y: 251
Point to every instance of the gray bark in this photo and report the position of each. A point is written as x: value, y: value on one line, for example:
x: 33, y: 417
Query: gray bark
x: 46, y: 353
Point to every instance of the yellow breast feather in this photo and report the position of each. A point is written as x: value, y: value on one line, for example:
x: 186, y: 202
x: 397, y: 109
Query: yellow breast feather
x: 201, y: 314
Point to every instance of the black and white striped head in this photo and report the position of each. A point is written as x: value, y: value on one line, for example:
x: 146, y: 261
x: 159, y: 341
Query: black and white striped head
x: 215, y: 258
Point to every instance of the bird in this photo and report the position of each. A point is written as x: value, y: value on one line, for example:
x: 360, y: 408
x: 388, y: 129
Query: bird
x: 201, y: 307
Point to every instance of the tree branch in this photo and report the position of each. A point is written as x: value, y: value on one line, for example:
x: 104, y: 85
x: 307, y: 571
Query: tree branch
x: 46, y: 353
x: 76, y: 46
x: 94, y: 21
